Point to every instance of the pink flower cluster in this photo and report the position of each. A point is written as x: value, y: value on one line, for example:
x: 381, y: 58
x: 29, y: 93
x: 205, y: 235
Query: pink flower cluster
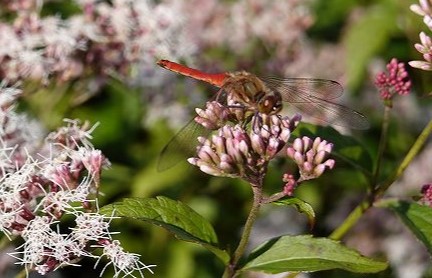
x: 424, y: 9
x: 237, y: 150
x: 426, y: 192
x: 43, y: 179
x: 276, y: 23
x: 312, y: 156
x: 394, y: 81
x: 107, y: 39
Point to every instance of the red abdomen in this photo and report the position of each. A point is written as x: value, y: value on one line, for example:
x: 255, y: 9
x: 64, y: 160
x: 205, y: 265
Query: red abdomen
x: 216, y: 79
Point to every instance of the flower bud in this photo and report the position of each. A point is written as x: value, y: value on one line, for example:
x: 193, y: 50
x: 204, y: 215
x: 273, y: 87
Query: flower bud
x: 311, y: 156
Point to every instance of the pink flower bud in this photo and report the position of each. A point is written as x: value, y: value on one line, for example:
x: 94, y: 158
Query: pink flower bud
x: 298, y: 145
x: 319, y: 170
x: 291, y: 152
x: 330, y: 163
x: 319, y: 157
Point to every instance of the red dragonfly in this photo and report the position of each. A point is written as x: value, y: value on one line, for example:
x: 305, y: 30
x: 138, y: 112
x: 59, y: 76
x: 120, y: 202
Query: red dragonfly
x: 264, y: 95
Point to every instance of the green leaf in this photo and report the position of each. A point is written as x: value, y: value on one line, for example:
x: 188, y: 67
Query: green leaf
x: 301, y: 207
x: 366, y: 37
x: 345, y: 147
x: 176, y: 217
x: 306, y: 253
x: 416, y: 217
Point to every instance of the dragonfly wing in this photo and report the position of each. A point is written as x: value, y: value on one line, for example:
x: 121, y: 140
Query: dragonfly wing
x: 303, y: 89
x: 182, y: 146
x: 313, y: 97
x: 333, y: 113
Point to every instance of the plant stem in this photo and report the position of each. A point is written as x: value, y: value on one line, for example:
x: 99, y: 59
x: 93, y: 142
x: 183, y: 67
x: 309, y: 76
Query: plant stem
x: 350, y: 220
x: 230, y: 270
x: 4, y: 242
x: 21, y: 274
x: 415, y: 149
x: 370, y: 199
x: 382, y: 144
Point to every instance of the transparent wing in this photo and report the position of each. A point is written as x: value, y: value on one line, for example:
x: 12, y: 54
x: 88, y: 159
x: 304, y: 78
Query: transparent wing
x: 302, y: 89
x: 312, y: 96
x: 333, y: 113
x: 182, y: 146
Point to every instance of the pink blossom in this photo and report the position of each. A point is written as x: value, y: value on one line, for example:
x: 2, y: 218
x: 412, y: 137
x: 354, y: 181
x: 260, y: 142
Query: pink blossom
x: 106, y: 39
x: 426, y: 192
x: 42, y: 179
x: 395, y: 81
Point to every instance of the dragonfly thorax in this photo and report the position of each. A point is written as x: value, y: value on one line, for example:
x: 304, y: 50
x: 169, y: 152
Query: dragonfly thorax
x: 250, y: 92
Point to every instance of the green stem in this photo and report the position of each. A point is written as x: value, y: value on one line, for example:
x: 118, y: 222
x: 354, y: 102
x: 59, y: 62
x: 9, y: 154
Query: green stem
x: 21, y: 274
x: 415, y: 149
x: 370, y: 199
x: 350, y: 220
x: 4, y: 242
x: 382, y: 144
x: 230, y: 270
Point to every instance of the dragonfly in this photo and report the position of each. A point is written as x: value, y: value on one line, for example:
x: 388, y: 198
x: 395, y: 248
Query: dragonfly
x: 265, y: 95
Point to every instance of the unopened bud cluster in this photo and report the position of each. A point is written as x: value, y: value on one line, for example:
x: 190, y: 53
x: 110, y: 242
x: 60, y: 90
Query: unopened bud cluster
x: 394, y: 81
x: 214, y: 116
x: 290, y: 184
x: 241, y: 146
x: 237, y: 152
x: 311, y: 156
x: 426, y: 192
